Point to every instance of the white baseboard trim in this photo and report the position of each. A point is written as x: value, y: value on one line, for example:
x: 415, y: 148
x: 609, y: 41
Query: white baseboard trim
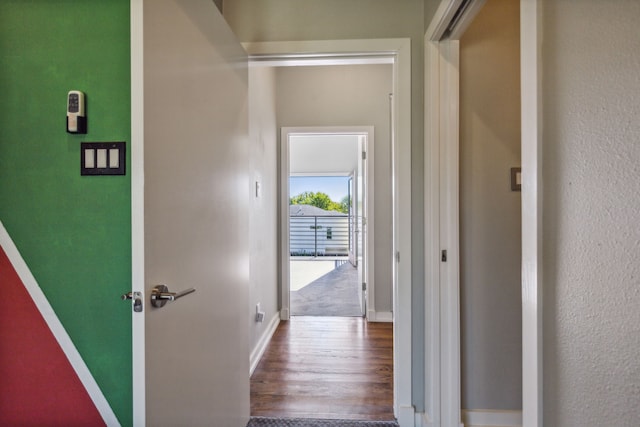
x: 258, y: 350
x: 406, y: 415
x: 491, y: 418
x: 423, y: 420
x: 379, y: 316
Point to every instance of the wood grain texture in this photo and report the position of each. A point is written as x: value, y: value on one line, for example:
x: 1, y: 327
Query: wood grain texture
x: 326, y: 367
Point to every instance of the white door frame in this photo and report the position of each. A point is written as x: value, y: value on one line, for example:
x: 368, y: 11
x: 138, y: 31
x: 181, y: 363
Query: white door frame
x: 532, y: 191
x: 137, y: 209
x: 352, y: 51
x: 285, y: 258
x: 442, y: 287
x: 443, y: 405
x: 364, y: 223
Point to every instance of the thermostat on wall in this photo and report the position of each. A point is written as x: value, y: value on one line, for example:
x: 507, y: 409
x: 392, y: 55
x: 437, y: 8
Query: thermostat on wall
x: 76, y: 119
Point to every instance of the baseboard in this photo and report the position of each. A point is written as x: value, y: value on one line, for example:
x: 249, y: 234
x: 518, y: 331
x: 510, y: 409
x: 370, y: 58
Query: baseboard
x: 406, y: 415
x: 423, y: 420
x: 258, y: 350
x: 379, y: 316
x: 490, y: 418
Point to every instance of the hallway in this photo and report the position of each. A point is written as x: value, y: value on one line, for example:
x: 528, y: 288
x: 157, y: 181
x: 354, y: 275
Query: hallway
x: 326, y: 367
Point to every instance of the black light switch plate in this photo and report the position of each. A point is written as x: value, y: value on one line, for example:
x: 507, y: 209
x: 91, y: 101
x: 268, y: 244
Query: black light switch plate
x: 103, y: 158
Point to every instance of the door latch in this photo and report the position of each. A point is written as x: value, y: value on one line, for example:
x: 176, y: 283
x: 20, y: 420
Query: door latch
x: 137, y: 300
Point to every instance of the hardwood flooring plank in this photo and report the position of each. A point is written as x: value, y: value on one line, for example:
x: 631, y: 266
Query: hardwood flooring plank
x: 326, y: 367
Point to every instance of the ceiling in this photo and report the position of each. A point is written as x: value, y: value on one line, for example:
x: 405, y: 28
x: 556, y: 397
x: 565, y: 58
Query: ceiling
x: 319, y: 155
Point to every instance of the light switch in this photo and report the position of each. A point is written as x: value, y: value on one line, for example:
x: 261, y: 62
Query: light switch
x: 102, y: 158
x: 114, y: 158
x: 89, y: 158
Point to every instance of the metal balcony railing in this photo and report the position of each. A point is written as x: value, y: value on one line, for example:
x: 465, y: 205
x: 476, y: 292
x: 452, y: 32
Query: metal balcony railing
x: 317, y: 236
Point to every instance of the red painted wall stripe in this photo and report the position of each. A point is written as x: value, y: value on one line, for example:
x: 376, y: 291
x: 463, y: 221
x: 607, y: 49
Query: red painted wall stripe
x: 38, y: 385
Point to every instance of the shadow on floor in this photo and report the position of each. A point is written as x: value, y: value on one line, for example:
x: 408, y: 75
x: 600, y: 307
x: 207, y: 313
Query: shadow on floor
x: 334, y: 294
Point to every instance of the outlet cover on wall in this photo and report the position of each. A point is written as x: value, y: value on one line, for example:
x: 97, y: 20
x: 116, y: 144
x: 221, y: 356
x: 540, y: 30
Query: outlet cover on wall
x: 259, y: 314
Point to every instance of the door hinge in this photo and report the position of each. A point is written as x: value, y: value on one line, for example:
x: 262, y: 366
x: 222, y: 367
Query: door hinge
x: 364, y: 286
x: 444, y: 255
x: 364, y: 155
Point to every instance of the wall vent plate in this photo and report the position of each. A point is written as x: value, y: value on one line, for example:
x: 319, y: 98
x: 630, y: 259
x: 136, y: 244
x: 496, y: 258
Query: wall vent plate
x: 103, y: 158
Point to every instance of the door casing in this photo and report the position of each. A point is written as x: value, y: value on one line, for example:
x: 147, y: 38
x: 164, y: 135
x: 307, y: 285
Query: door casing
x: 285, y: 258
x: 442, y: 287
x: 137, y: 207
x: 532, y: 186
x: 332, y: 52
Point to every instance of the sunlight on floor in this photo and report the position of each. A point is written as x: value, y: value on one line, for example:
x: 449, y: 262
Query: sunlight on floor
x: 305, y: 272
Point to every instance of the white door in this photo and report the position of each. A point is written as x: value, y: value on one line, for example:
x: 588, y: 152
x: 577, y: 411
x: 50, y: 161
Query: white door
x: 361, y: 221
x: 353, y: 235
x: 358, y: 221
x: 196, y: 203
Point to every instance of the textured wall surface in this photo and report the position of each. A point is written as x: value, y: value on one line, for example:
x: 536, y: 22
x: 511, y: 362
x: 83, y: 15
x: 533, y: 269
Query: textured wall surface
x: 591, y: 212
x: 490, y: 226
x: 36, y: 393
x: 73, y: 232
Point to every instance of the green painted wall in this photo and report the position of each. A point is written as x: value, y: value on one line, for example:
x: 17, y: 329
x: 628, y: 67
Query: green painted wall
x: 73, y: 231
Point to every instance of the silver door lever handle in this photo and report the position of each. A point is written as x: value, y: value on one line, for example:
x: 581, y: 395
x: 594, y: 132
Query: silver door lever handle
x: 160, y: 295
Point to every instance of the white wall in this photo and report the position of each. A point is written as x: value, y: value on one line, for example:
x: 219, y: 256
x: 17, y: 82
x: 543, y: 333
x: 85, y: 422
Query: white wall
x: 356, y: 95
x: 591, y: 172
x: 430, y: 7
x: 490, y: 255
x: 263, y: 215
x: 282, y: 20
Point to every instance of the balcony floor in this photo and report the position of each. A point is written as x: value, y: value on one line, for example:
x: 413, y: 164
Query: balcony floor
x: 332, y: 294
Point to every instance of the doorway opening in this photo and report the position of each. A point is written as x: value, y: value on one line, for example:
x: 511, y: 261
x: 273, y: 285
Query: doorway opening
x: 454, y: 124
x: 327, y: 223
x: 328, y: 100
x: 326, y: 243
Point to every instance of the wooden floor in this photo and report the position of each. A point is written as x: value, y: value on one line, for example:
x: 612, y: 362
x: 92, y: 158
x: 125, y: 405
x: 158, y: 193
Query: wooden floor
x: 326, y: 367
